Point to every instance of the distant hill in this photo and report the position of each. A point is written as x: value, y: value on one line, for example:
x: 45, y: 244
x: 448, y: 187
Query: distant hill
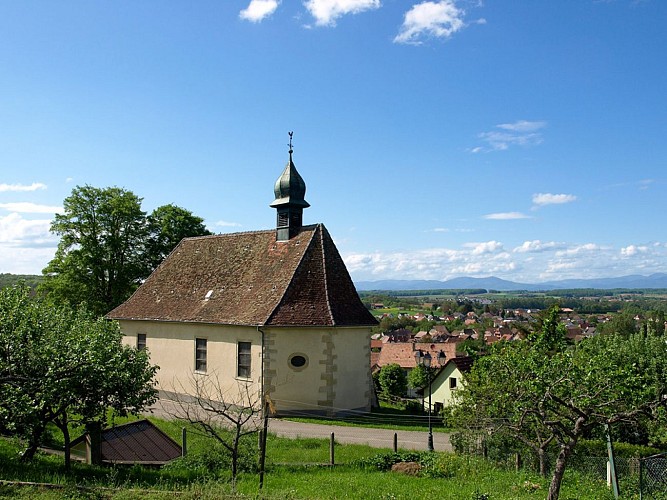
x: 32, y: 280
x: 657, y: 280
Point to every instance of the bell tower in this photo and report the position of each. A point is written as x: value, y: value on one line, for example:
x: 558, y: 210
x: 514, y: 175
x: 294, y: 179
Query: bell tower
x: 290, y: 190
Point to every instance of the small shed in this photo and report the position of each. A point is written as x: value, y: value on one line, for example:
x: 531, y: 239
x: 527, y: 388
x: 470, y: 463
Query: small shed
x: 139, y: 442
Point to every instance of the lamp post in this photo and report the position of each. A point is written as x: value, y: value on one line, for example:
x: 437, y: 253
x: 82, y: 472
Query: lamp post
x: 425, y: 359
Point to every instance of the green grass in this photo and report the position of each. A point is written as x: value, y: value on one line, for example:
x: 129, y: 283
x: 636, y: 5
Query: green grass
x: 461, y: 476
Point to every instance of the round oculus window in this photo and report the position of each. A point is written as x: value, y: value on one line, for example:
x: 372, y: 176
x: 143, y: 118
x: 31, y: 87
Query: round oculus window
x: 298, y: 361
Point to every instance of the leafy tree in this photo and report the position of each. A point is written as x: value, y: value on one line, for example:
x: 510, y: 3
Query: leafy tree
x: 55, y: 362
x: 419, y: 376
x: 108, y: 245
x: 622, y: 323
x: 167, y: 226
x: 542, y: 390
x: 99, y: 257
x: 393, y: 381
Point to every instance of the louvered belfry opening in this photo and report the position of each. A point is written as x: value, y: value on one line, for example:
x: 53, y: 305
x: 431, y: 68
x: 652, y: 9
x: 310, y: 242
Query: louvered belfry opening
x: 290, y: 190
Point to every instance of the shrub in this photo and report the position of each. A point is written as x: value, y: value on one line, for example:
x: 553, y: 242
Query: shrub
x: 215, y: 461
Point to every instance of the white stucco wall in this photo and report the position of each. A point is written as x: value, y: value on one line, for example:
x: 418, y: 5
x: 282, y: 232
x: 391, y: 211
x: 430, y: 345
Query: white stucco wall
x: 440, y: 391
x: 335, y: 379
x: 172, y: 348
x: 337, y: 375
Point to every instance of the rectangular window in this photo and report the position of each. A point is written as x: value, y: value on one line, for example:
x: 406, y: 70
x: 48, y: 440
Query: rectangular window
x: 141, y: 341
x: 200, y: 355
x: 452, y: 382
x: 243, y: 361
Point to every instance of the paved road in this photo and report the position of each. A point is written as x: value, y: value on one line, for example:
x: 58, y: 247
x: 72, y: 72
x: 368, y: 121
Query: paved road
x: 378, y: 438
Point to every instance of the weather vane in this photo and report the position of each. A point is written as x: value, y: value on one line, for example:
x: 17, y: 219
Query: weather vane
x: 290, y: 140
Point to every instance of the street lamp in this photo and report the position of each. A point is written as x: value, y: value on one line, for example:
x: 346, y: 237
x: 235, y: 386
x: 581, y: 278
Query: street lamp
x: 425, y: 360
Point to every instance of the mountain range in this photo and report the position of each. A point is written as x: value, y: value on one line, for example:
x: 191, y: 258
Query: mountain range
x: 634, y: 281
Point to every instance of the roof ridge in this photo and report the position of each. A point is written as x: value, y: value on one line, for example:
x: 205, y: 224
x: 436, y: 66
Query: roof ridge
x: 326, y: 274
x: 236, y: 233
x: 294, y: 271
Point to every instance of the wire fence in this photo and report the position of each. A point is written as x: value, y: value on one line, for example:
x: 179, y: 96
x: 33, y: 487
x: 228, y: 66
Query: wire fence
x: 653, y: 477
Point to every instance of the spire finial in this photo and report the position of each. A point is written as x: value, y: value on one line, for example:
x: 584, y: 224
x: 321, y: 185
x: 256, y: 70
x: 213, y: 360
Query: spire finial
x: 290, y: 142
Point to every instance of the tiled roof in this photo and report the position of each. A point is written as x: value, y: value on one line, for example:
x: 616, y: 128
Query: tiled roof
x: 136, y: 442
x: 250, y: 279
x: 403, y: 353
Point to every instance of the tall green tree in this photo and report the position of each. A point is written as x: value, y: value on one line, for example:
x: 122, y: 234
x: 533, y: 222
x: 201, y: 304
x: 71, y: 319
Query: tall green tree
x: 543, y: 390
x: 108, y: 246
x: 55, y: 363
x: 167, y: 226
x: 99, y: 258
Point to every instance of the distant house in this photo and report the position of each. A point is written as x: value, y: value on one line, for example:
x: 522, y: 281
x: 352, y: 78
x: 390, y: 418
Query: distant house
x: 446, y: 381
x: 403, y: 354
x: 265, y: 313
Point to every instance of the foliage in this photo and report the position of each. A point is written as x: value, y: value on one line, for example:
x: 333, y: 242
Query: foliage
x: 215, y: 461
x: 56, y: 362
x: 7, y: 279
x: 393, y: 381
x: 542, y: 390
x: 108, y: 245
x: 167, y: 226
x: 419, y: 376
x: 99, y: 256
x: 622, y: 323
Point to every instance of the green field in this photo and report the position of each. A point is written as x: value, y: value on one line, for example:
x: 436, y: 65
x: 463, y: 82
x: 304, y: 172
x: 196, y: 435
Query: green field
x: 292, y: 472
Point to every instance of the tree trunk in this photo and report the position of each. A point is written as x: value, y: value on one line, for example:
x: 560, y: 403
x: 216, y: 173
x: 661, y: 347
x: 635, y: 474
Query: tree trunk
x: 559, y: 470
x: 33, y: 443
x: 542, y: 458
x: 235, y: 457
x: 61, y: 424
x: 66, y: 442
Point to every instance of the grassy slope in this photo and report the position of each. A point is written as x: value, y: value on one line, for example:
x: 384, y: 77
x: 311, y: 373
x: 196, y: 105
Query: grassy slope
x: 467, y: 476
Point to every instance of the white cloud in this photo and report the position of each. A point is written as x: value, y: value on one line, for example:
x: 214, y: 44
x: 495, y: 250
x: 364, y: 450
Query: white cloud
x: 522, y: 126
x: 537, y: 246
x: 430, y: 19
x: 224, y: 223
x: 632, y: 250
x: 484, y: 247
x: 22, y: 187
x: 531, y: 262
x: 258, y: 10
x: 507, y: 216
x: 440, y: 230
x: 580, y: 249
x: 542, y: 199
x: 25, y: 207
x: 520, y: 133
x: 326, y: 12
x: 19, y: 232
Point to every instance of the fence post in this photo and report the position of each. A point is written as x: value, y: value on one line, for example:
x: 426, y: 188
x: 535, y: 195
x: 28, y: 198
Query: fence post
x: 395, y: 442
x: 612, y: 466
x: 517, y: 462
x: 184, y: 441
x: 331, y: 450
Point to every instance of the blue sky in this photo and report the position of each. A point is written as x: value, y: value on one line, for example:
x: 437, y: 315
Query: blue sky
x: 525, y: 140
